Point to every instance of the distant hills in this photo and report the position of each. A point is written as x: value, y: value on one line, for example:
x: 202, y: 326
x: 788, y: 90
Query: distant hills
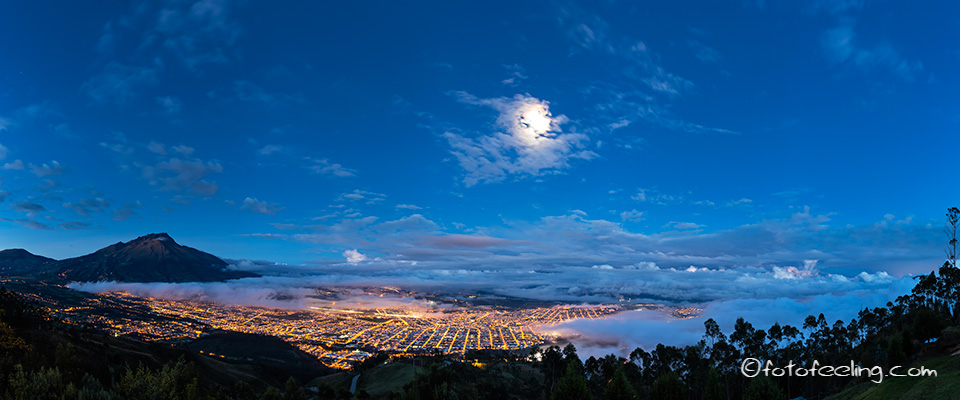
x: 152, y: 258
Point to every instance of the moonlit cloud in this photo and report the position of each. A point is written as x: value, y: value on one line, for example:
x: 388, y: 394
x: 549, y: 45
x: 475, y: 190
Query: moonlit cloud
x: 532, y: 143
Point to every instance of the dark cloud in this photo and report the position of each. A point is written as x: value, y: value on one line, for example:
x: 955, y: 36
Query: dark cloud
x: 88, y: 206
x: 27, y: 206
x: 471, y: 241
x: 74, y: 225
x: 127, y: 211
x: 120, y: 84
x: 29, y: 223
x: 182, y: 175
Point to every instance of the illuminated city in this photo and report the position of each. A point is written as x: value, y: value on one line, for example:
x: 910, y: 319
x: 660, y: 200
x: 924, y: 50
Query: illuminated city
x: 341, y: 337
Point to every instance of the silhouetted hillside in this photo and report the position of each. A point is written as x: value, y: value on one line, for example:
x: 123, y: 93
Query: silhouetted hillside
x: 151, y: 258
x: 18, y: 261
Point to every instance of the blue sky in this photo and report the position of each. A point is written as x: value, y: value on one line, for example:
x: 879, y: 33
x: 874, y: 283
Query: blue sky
x: 777, y: 140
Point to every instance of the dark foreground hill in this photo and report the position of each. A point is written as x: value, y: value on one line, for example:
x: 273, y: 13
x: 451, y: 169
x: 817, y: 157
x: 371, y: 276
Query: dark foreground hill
x: 151, y: 258
x: 42, y: 357
x: 18, y: 261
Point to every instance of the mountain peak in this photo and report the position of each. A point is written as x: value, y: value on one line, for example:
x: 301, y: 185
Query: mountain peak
x: 160, y: 237
x: 150, y: 258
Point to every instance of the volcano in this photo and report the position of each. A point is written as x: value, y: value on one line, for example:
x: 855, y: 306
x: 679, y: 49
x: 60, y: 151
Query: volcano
x: 152, y: 258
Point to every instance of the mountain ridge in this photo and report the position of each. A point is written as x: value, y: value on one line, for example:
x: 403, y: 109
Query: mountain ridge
x: 154, y: 257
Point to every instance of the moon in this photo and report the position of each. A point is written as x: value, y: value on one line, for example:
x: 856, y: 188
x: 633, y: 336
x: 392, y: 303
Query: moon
x: 535, y: 123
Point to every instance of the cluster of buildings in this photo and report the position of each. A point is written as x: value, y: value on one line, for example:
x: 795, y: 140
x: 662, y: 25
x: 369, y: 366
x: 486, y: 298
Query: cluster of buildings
x: 338, y: 337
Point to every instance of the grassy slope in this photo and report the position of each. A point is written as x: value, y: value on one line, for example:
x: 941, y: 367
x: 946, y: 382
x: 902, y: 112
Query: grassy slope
x: 946, y: 385
x: 386, y: 379
x: 378, y: 381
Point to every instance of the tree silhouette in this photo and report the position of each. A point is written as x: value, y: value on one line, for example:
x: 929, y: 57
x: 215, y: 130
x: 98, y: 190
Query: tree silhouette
x: 619, y: 388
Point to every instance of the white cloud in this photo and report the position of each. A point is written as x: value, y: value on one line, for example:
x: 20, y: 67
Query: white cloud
x: 655, y: 196
x: 684, y: 225
x: 841, y: 47
x: 532, y: 143
x: 15, y: 165
x: 517, y: 74
x: 270, y: 149
x: 409, y: 207
x: 171, y: 105
x: 54, y: 168
x: 325, y: 167
x: 705, y: 53
x: 157, y: 148
x: 192, y: 33
x: 260, y: 207
x: 632, y: 216
x: 251, y: 92
x: 185, y: 150
x: 119, y: 84
x: 353, y: 256
x: 362, y: 195
x: 742, y: 201
x: 3, y: 152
